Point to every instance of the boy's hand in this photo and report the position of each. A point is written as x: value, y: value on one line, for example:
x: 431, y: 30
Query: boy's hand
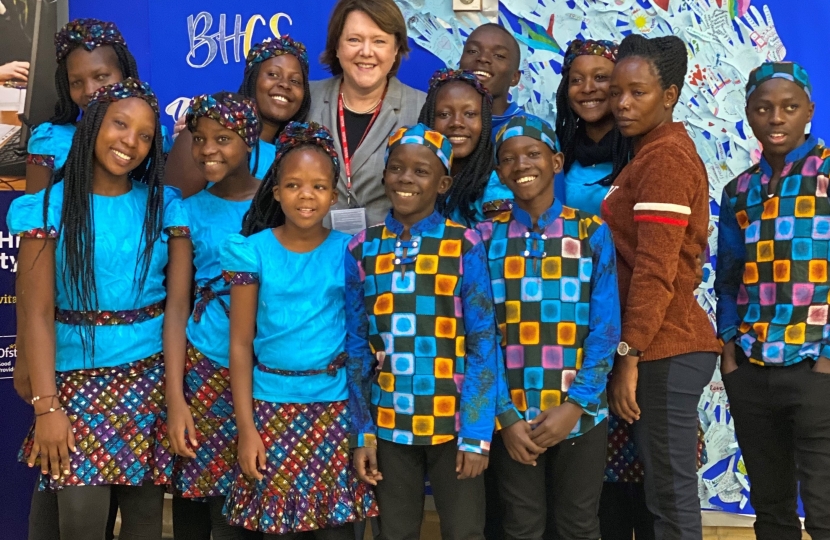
x: 622, y: 389
x: 727, y: 359
x: 470, y: 464
x: 365, y: 460
x: 554, y: 424
x: 519, y: 444
x: 251, y: 454
x: 179, y: 422
x: 822, y: 365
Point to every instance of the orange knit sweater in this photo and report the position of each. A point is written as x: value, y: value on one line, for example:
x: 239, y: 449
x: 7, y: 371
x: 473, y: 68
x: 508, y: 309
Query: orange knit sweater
x: 658, y: 212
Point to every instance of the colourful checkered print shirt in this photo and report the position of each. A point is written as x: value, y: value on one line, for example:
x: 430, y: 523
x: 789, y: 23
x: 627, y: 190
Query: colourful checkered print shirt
x: 430, y: 309
x: 558, y: 309
x: 772, y: 260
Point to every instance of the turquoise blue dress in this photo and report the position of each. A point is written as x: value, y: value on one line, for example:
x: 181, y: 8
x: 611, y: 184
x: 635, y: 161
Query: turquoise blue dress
x: 212, y: 219
x: 262, y: 156
x: 118, y: 241
x: 581, y: 190
x: 496, y: 196
x: 50, y: 143
x: 300, y: 314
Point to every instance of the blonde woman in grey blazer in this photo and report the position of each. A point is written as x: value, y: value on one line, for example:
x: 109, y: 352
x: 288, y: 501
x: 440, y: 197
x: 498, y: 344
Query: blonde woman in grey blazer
x: 365, y: 42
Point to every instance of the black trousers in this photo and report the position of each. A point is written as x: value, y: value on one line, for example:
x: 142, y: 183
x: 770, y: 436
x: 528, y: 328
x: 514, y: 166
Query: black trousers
x: 574, y: 468
x: 782, y: 421
x: 668, y: 392
x: 623, y: 510
x: 460, y: 503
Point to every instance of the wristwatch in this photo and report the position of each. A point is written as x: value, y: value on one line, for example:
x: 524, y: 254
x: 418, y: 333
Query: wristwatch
x: 624, y: 349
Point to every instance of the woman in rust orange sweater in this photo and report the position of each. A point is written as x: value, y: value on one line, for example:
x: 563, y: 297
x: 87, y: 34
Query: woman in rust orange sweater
x: 658, y: 212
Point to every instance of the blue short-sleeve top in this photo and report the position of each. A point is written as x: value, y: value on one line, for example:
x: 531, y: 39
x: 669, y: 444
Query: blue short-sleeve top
x: 212, y: 219
x: 119, y: 240
x: 300, y: 322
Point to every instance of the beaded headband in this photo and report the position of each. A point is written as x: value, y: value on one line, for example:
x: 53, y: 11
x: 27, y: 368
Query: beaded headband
x: 445, y: 75
x: 595, y: 47
x: 277, y: 47
x: 127, y: 88
x: 239, y: 116
x: 299, y: 133
x: 423, y: 135
x: 527, y: 126
x: 86, y: 33
x: 790, y: 71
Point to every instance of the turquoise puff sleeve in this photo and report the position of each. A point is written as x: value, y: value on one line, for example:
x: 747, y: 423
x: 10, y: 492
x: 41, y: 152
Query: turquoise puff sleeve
x: 176, y: 221
x: 25, y: 216
x: 50, y: 144
x: 240, y: 260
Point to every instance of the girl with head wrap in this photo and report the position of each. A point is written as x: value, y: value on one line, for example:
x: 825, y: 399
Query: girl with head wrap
x: 90, y: 54
x: 93, y: 253
x: 287, y: 338
x: 225, y: 128
x: 276, y: 80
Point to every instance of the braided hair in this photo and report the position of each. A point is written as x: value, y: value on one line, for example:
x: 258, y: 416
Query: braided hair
x: 667, y: 55
x: 265, y: 211
x: 474, y: 170
x: 77, y: 220
x: 569, y: 126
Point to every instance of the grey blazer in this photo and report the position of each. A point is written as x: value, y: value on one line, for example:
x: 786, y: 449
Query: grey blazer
x: 401, y: 107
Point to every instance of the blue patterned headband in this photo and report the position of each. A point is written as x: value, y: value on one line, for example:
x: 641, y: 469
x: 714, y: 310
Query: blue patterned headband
x: 127, y: 88
x: 423, y: 135
x: 527, y: 126
x: 789, y: 71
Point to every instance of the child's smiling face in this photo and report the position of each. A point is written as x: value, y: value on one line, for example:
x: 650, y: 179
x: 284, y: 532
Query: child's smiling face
x: 493, y: 56
x: 305, y: 186
x: 217, y: 150
x: 458, y: 117
x: 414, y: 177
x: 527, y: 166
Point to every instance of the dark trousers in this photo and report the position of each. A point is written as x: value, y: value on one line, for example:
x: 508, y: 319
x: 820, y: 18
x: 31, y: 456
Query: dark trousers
x: 460, y: 503
x: 623, y: 510
x: 668, y: 392
x: 202, y: 520
x: 782, y: 421
x: 574, y: 468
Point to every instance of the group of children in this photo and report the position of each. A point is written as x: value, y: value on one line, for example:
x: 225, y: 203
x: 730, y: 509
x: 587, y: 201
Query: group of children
x: 280, y: 377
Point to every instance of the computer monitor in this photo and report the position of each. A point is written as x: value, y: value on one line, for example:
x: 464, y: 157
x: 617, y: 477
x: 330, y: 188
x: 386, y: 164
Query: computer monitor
x: 40, y: 93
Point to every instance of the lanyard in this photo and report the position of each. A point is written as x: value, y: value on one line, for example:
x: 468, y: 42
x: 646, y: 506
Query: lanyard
x: 344, y: 143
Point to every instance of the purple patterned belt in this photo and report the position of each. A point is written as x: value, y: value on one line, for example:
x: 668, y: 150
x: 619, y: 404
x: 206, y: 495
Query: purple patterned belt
x: 338, y: 362
x: 109, y: 317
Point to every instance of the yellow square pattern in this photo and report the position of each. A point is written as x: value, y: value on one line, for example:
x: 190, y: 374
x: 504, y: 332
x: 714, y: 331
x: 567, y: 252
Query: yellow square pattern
x: 765, y: 251
x: 794, y: 334
x: 750, y: 273
x: 460, y: 347
x: 423, y: 425
x: 445, y: 284
x: 426, y: 264
x: 529, y: 333
x: 385, y: 263
x: 781, y: 271
x: 805, y: 206
x: 443, y: 405
x: 514, y: 267
x: 550, y: 398
x: 770, y: 209
x: 449, y: 248
x: 444, y: 368
x: 444, y: 327
x: 566, y: 333
x: 386, y: 418
x: 512, y: 311
x: 552, y: 268
x: 517, y: 396
x: 384, y: 304
x: 386, y: 381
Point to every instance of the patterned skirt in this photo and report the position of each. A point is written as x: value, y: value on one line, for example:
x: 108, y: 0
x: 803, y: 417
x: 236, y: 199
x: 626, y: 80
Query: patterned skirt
x: 309, y: 482
x: 119, y: 420
x: 207, y: 389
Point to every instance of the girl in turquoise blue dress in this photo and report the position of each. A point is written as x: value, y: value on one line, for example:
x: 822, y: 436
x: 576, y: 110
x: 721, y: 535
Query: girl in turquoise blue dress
x: 90, y: 54
x: 287, y: 341
x: 276, y: 79
x: 95, y: 244
x: 460, y: 108
x: 201, y: 425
